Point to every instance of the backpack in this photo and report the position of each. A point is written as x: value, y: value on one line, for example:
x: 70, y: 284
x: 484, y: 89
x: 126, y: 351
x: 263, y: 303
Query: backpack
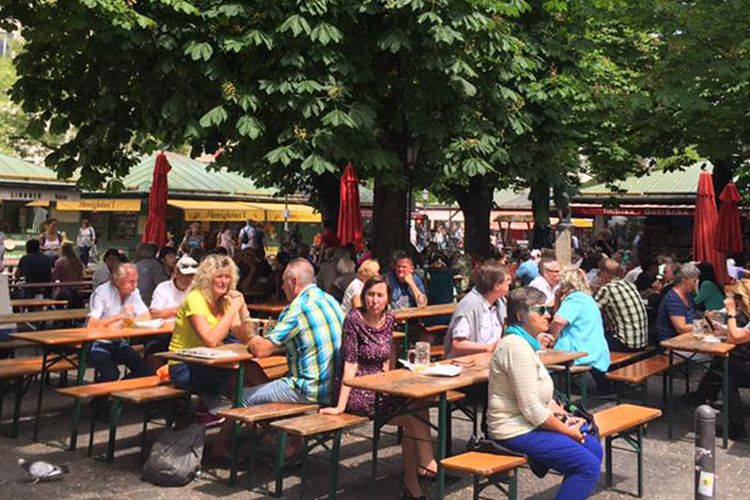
x: 244, y: 236
x: 176, y: 456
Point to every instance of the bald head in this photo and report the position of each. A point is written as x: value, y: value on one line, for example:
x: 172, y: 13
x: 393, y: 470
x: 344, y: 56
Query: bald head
x: 299, y: 273
x: 611, y: 267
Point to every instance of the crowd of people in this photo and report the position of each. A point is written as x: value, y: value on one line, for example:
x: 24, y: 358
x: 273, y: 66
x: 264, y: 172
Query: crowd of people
x: 339, y: 322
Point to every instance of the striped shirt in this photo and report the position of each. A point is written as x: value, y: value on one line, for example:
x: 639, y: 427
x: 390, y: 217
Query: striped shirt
x: 310, y: 330
x: 624, y: 313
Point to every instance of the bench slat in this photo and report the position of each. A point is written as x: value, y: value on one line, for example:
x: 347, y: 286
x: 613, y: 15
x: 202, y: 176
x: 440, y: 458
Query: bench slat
x: 24, y: 367
x: 149, y: 394
x: 107, y: 388
x: 618, y: 358
x: 309, y: 425
x: 638, y: 372
x: 483, y: 464
x: 267, y: 411
x: 623, y: 417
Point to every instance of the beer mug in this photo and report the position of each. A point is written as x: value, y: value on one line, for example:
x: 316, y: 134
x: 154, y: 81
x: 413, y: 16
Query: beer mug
x: 421, y: 355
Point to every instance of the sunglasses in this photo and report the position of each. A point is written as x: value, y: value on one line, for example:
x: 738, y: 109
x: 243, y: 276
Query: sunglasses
x: 187, y: 266
x: 540, y: 310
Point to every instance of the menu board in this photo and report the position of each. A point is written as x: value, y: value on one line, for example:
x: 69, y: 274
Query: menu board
x: 124, y: 226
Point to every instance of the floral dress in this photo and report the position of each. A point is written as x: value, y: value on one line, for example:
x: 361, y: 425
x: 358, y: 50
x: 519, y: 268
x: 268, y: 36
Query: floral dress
x: 369, y: 348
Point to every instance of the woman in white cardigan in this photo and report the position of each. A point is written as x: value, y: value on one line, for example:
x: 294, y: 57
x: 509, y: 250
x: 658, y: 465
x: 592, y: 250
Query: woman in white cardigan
x: 522, y: 414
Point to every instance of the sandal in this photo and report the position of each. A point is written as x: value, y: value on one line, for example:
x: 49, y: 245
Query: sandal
x: 426, y: 474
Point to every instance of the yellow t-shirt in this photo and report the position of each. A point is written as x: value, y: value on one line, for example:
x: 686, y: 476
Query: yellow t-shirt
x: 184, y: 337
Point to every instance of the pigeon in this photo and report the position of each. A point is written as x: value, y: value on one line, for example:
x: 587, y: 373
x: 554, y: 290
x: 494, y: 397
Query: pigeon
x: 43, y: 471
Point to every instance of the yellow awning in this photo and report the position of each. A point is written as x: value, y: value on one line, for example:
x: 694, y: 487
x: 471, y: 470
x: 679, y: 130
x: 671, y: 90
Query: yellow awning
x: 99, y: 205
x: 224, y: 211
x: 297, y: 212
x: 38, y: 203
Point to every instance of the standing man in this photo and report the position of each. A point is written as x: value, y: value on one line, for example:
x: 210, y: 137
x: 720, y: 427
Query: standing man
x: 477, y: 323
x: 549, y: 278
x: 626, y: 325
x: 111, y: 304
x: 407, y: 289
x: 247, y: 235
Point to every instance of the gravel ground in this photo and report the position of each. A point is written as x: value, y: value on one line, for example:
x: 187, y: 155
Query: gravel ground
x: 668, y: 465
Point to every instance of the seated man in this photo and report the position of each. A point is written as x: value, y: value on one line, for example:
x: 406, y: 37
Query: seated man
x: 548, y: 280
x: 477, y: 323
x: 626, y: 325
x: 407, y: 289
x: 34, y: 267
x: 112, y: 258
x: 165, y: 301
x: 309, y: 329
x: 111, y: 303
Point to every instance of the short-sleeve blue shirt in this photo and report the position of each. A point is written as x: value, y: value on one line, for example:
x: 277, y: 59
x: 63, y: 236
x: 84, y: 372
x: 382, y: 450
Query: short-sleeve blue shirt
x: 401, y: 295
x: 584, y: 331
x: 672, y: 305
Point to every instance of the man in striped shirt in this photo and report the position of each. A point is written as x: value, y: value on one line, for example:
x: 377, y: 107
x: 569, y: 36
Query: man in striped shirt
x: 626, y: 323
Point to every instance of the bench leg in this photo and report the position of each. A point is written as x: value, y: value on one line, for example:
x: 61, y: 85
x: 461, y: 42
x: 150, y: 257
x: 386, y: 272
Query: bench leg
x: 725, y: 403
x: 375, y: 439
x: 513, y: 485
x: 92, y: 428
x: 334, y: 478
x: 303, y: 469
x: 143, y: 434
x: 17, y: 408
x: 639, y: 457
x: 670, y: 392
x: 114, y: 419
x: 40, y: 394
x: 280, y: 465
x: 608, y: 460
x: 443, y: 417
x: 77, y: 404
x: 235, y: 451
x: 476, y: 490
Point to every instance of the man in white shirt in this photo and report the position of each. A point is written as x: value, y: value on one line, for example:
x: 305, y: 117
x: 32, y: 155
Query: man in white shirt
x: 548, y: 279
x: 247, y: 235
x: 167, y: 298
x: 112, y: 304
x: 477, y: 323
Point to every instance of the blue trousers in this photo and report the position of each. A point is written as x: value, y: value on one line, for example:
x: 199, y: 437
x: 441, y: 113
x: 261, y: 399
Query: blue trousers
x: 579, y: 463
x: 105, y: 356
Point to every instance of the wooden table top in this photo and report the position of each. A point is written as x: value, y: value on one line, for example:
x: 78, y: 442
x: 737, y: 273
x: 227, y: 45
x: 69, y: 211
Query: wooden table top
x: 68, y: 284
x: 49, y: 315
x: 687, y: 342
x: 411, y: 385
x: 552, y: 357
x: 268, y: 307
x: 37, y: 303
x: 240, y: 350
x: 75, y: 336
x: 424, y: 312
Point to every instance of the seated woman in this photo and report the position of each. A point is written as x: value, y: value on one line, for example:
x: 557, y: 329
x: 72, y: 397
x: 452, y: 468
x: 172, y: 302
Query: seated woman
x: 68, y: 268
x: 366, y: 350
x: 708, y: 297
x: 738, y: 312
x: 209, y: 313
x: 578, y: 326
x: 522, y: 415
x: 353, y: 293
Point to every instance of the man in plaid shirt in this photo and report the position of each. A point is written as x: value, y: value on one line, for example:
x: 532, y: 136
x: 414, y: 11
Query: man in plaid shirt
x: 626, y: 323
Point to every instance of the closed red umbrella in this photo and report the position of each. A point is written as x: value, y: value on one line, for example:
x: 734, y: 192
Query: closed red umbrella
x: 728, y: 233
x: 706, y: 219
x: 156, y: 224
x: 349, y: 229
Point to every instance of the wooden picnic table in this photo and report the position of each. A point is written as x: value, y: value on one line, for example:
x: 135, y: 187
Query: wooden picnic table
x: 269, y: 308
x: 413, y: 386
x: 404, y: 315
x: 691, y: 343
x: 67, y: 284
x: 37, y: 303
x: 40, y: 316
x: 65, y: 343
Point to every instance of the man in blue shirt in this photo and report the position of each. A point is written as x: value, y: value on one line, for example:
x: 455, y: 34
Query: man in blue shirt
x: 407, y: 289
x: 529, y: 268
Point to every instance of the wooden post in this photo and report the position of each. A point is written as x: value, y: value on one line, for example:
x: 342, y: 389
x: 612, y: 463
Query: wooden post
x: 563, y: 246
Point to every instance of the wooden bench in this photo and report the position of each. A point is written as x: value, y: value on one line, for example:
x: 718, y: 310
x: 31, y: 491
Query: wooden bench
x: 102, y: 389
x: 638, y: 373
x: 575, y: 373
x: 253, y: 415
x: 620, y: 359
x: 12, y: 345
x: 320, y: 429
x: 622, y: 422
x: 42, y: 316
x: 139, y: 397
x: 21, y: 370
x: 497, y: 470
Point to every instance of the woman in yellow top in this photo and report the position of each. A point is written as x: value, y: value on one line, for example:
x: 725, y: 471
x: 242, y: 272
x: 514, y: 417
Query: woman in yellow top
x: 211, y: 310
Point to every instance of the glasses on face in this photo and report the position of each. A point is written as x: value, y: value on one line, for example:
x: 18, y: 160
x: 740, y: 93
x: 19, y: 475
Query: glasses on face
x: 540, y: 310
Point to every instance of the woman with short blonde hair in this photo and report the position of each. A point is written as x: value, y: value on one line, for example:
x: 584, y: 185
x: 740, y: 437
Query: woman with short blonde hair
x: 352, y: 295
x: 212, y: 309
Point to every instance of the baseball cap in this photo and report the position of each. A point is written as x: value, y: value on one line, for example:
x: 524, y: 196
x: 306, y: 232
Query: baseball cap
x: 187, y: 265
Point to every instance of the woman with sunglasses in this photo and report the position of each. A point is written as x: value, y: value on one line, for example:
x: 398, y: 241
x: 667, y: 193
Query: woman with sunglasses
x: 211, y: 310
x: 522, y: 414
x: 578, y: 326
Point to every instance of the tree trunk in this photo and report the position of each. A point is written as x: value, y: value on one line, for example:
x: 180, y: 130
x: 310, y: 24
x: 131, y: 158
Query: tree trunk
x: 389, y: 222
x: 540, y: 206
x: 327, y: 189
x: 476, y: 204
